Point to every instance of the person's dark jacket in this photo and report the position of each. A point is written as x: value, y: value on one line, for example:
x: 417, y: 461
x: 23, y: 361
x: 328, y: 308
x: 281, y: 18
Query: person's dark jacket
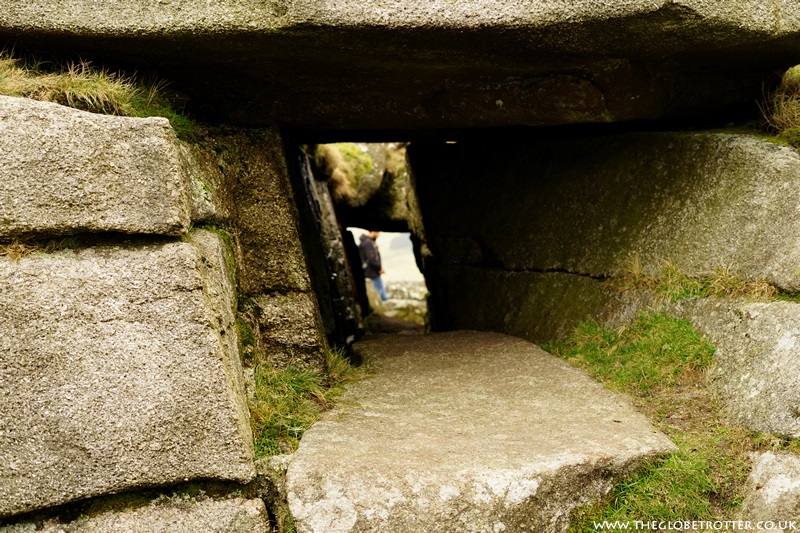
x: 370, y: 257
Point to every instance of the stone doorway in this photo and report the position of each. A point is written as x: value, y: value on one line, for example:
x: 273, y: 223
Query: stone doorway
x: 366, y: 186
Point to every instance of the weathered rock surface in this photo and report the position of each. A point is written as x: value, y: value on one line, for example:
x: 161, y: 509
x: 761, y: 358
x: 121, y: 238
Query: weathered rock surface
x: 773, y: 489
x: 289, y: 330
x: 406, y: 301
x: 236, y: 515
x: 589, y: 206
x: 329, y: 254
x: 470, y: 63
x: 384, y: 206
x: 66, y: 171
x: 537, y: 306
x: 752, y: 19
x: 464, y: 431
x: 754, y: 372
x: 270, y: 254
x: 119, y: 368
x: 211, y: 201
x: 407, y: 290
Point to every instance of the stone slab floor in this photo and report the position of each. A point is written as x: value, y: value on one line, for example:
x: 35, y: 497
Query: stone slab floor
x: 464, y: 431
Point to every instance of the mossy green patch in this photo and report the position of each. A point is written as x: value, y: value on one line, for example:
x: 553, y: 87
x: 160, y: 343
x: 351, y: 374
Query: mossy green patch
x: 357, y: 159
x: 227, y: 239
x: 791, y: 136
x: 653, y: 350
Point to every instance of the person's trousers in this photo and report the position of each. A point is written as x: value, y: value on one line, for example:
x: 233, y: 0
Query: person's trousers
x: 378, y: 284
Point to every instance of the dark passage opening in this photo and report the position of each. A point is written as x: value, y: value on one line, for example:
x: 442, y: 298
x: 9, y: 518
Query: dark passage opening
x: 351, y: 193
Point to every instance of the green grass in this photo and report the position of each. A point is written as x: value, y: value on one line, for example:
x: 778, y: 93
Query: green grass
x: 659, y: 360
x: 653, y: 350
x: 288, y: 401
x: 82, y: 86
x: 678, y: 485
x: 781, y: 108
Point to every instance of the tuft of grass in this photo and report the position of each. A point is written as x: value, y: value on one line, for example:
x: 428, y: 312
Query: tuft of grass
x: 286, y: 402
x: 80, y: 85
x: 653, y: 350
x: 75, y: 85
x: 341, y: 370
x: 722, y: 282
x: 677, y: 485
x: 674, y: 285
x: 285, y: 405
x: 781, y: 109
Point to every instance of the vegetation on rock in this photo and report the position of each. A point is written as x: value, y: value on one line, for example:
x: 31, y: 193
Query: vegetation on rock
x: 654, y: 350
x: 674, y: 285
x: 17, y: 250
x: 344, y: 164
x: 286, y: 402
x: 83, y: 86
x: 659, y: 360
x: 782, y: 108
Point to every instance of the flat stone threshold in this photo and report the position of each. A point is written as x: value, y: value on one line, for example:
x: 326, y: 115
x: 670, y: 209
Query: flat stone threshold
x: 464, y: 431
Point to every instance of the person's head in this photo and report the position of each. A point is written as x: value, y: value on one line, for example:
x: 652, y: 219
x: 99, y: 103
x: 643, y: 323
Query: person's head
x: 372, y: 234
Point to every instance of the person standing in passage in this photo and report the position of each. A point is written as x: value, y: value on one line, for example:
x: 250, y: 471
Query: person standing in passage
x: 371, y: 261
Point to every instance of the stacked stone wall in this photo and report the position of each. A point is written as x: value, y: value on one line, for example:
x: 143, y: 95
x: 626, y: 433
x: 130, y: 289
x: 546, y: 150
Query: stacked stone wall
x: 120, y: 364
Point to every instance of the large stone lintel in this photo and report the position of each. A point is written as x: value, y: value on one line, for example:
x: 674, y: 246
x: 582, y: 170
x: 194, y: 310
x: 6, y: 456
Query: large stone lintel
x: 431, y: 64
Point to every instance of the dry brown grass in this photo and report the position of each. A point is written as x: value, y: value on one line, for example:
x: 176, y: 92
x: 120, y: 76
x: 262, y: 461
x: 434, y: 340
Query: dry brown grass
x: 83, y: 86
x: 16, y: 250
x: 671, y: 283
x: 77, y: 85
x: 781, y: 109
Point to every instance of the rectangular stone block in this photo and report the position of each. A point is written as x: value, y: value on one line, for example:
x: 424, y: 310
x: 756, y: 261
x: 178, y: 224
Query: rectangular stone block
x: 236, y: 515
x: 289, y: 330
x: 271, y: 254
x: 464, y: 432
x: 754, y: 372
x: 119, y: 368
x: 66, y: 171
